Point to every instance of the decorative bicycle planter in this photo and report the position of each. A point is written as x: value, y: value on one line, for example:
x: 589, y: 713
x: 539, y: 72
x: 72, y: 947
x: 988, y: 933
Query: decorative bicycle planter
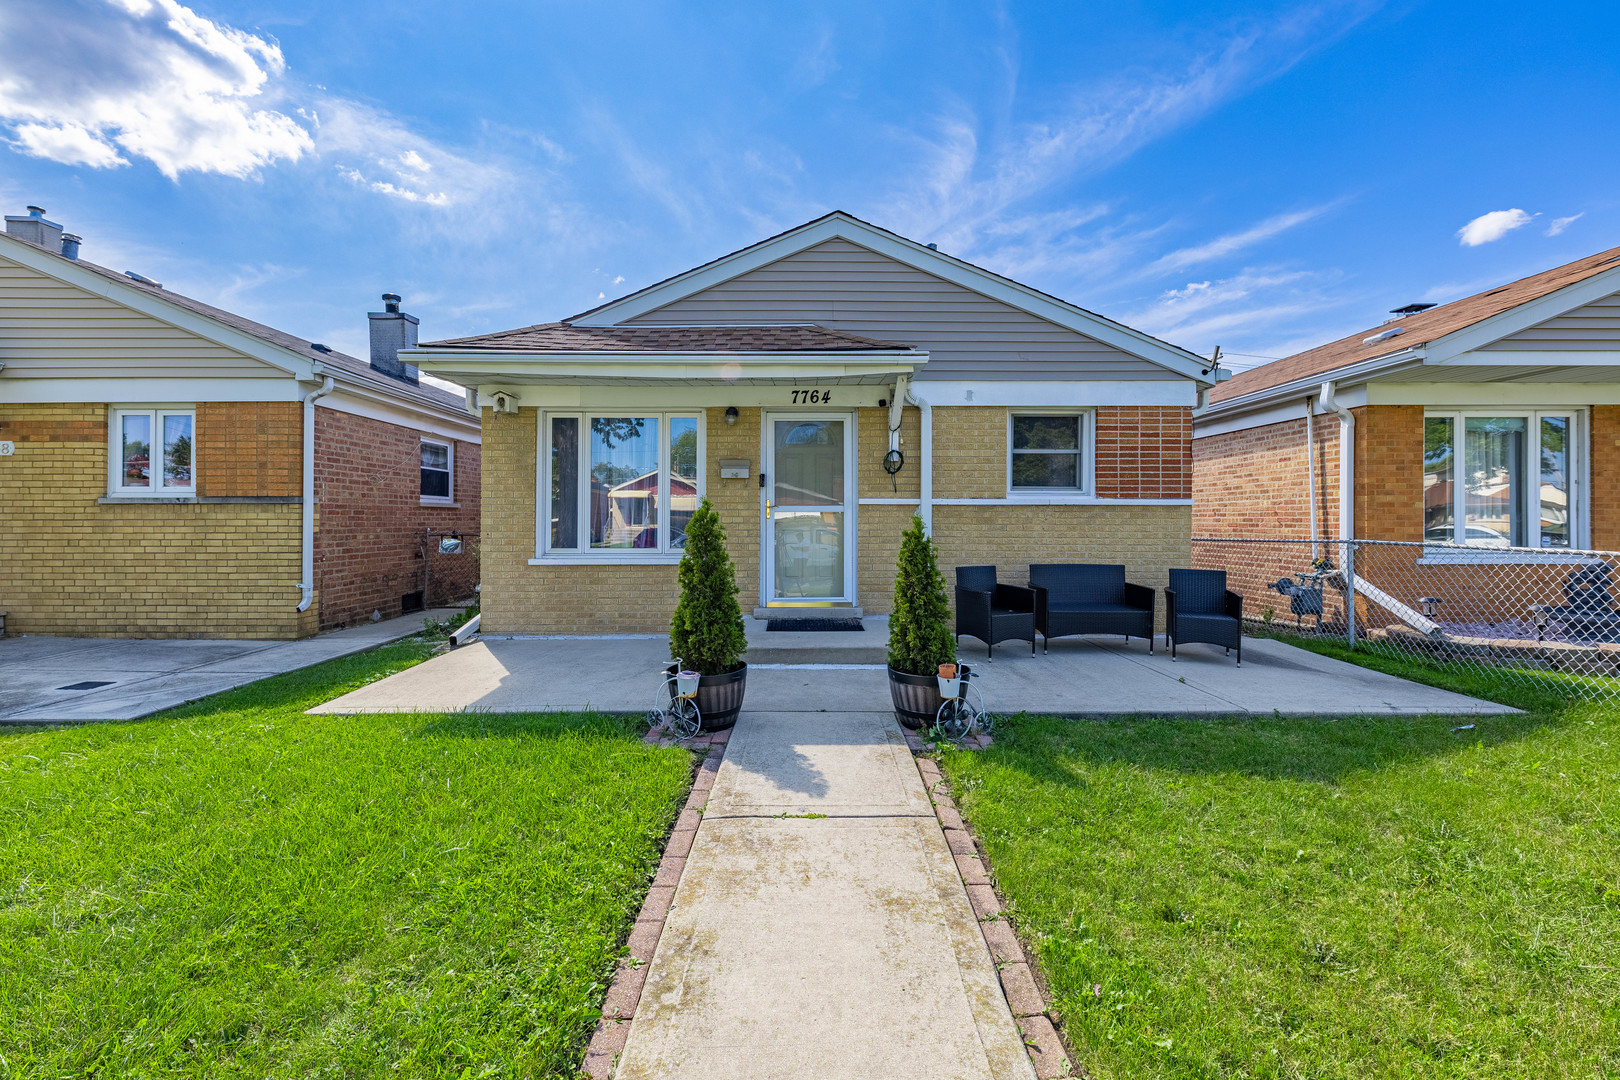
x: 916, y: 698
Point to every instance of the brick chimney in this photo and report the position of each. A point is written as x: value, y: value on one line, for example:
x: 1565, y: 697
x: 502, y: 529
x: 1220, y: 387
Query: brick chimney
x: 35, y: 229
x: 391, y: 331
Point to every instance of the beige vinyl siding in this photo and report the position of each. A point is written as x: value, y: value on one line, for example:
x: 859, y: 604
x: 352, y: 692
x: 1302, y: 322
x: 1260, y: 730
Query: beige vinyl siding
x: 1593, y: 328
x: 49, y: 329
x: 968, y: 335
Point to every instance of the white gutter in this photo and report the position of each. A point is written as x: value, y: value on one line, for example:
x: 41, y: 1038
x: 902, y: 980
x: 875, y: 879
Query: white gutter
x: 308, y: 566
x: 1347, y: 461
x: 1350, y: 374
x: 925, y: 506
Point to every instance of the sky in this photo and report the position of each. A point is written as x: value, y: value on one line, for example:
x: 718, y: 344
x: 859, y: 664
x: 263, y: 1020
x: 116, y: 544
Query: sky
x: 1262, y: 177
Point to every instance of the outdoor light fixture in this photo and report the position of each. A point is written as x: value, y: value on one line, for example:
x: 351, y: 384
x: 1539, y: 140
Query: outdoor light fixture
x: 731, y: 415
x: 1430, y: 605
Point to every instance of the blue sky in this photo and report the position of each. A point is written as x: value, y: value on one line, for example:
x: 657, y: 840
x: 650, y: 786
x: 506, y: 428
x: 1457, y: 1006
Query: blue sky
x: 1262, y: 177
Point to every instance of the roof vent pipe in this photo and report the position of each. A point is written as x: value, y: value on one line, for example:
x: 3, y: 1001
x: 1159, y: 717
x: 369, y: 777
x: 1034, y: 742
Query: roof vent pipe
x: 70, y: 246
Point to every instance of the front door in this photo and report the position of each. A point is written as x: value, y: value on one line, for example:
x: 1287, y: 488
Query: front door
x: 809, y: 551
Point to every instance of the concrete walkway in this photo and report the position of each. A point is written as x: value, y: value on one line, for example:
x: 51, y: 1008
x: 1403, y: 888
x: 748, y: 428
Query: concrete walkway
x: 1097, y: 677
x: 143, y: 676
x: 828, y: 947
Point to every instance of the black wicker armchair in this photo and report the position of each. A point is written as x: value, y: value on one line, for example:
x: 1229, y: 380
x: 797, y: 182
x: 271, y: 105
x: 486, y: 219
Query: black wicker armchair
x: 993, y: 612
x: 1199, y: 607
x: 1088, y: 598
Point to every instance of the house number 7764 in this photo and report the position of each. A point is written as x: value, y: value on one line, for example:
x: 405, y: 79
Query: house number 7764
x: 812, y: 397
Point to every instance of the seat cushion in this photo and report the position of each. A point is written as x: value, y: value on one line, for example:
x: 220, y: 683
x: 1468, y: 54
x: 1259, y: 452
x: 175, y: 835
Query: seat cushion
x: 1206, y: 627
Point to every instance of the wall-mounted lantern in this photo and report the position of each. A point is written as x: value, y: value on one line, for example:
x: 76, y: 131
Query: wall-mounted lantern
x: 731, y: 415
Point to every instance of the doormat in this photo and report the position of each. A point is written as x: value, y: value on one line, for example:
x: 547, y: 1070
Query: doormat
x: 814, y: 624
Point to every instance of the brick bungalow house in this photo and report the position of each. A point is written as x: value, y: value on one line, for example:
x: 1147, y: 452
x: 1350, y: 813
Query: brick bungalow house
x: 168, y: 469
x: 819, y: 387
x: 1492, y: 421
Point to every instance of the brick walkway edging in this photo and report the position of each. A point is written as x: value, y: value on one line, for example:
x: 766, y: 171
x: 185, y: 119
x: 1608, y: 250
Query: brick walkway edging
x: 613, y: 1029
x: 1030, y: 1009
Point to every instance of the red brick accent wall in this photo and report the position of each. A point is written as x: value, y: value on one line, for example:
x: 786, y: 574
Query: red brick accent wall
x: 1606, y: 477
x: 1254, y: 482
x: 370, y: 540
x: 249, y: 448
x: 1389, y: 472
x: 1144, y: 452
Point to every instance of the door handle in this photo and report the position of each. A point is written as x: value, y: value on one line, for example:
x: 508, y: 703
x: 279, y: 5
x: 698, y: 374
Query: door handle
x: 767, y: 509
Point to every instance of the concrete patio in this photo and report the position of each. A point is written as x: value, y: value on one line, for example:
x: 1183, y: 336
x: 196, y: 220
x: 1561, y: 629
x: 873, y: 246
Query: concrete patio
x: 139, y: 676
x: 1094, y: 677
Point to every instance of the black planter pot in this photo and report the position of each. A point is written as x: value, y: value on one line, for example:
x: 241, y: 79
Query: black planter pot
x: 916, y: 698
x: 720, y: 697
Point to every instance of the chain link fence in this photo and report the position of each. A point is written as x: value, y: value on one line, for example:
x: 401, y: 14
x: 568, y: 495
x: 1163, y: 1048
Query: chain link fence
x: 1546, y: 618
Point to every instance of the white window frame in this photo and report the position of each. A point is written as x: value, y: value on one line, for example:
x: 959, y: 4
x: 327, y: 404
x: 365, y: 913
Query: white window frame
x: 584, y: 553
x: 1087, y: 450
x: 450, y: 459
x: 155, y: 414
x: 1530, y: 505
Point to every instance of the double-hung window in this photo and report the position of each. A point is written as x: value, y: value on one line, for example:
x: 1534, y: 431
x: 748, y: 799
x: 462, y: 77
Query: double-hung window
x: 153, y: 453
x: 1047, y: 453
x: 1501, y: 479
x: 619, y: 484
x: 438, y: 472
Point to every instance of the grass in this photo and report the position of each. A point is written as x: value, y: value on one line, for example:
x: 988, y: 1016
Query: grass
x: 237, y: 889
x: 1285, y: 898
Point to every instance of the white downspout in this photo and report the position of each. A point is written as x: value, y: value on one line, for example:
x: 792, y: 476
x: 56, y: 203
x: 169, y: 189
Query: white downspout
x: 925, y: 506
x: 1310, y: 470
x: 308, y: 566
x: 1347, y: 461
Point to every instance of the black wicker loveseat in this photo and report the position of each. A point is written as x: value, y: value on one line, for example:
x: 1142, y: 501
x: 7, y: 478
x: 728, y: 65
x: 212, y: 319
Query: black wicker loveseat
x: 1089, y: 598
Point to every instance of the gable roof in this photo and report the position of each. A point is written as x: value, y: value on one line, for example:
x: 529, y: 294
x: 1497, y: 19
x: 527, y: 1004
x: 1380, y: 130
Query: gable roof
x: 292, y: 354
x: 561, y: 337
x: 841, y: 225
x: 1423, y: 328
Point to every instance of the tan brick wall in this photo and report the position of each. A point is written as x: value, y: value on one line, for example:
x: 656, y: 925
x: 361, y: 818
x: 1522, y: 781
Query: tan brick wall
x: 74, y: 566
x: 1254, y: 482
x: 970, y: 452
x: 872, y: 426
x: 251, y: 448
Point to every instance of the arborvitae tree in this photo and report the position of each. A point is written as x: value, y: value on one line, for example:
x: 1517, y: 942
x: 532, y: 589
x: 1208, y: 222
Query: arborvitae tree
x: 919, y: 627
x: 706, y: 631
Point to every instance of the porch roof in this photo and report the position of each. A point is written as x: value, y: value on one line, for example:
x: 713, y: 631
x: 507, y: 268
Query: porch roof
x: 565, y: 354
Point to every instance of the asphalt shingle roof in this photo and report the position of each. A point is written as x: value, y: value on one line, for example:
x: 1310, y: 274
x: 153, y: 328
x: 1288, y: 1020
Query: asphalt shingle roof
x: 1419, y: 329
x: 564, y: 337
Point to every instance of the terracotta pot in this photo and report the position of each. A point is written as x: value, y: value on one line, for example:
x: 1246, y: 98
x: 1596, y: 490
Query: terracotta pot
x: 916, y: 698
x: 720, y: 697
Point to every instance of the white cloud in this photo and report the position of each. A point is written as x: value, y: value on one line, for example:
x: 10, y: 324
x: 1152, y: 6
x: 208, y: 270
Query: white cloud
x: 99, y: 83
x: 1231, y: 242
x: 1558, y: 225
x: 1492, y: 226
x: 1243, y: 313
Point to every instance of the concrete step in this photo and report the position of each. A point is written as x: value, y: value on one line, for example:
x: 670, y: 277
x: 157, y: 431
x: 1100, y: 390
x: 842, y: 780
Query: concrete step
x: 868, y: 646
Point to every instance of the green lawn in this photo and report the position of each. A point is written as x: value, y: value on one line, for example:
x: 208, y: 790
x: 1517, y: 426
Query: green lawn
x: 1288, y: 898
x: 236, y: 889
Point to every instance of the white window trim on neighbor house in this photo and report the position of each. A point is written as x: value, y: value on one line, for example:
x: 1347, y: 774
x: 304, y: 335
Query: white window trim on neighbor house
x: 1086, y: 491
x: 450, y: 466
x: 545, y: 554
x: 156, y: 491
x: 1578, y: 482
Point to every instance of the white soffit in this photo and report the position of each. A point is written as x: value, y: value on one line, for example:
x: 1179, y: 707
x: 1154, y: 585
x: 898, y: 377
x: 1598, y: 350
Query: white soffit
x: 842, y: 226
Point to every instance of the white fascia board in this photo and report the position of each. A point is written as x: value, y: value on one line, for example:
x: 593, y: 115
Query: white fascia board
x: 1449, y: 349
x: 919, y: 256
x: 66, y: 271
x: 389, y: 411
x: 1518, y: 395
x: 1068, y: 393
x: 1280, y: 413
x: 1553, y: 358
x: 116, y: 391
x: 1308, y: 385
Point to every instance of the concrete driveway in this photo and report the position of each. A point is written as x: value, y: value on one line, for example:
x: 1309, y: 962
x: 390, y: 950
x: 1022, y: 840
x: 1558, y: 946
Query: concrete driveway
x: 1097, y: 677
x: 63, y: 680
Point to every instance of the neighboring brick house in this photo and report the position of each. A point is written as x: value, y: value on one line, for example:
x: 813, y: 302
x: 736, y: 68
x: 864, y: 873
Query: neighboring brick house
x: 153, y: 463
x: 1492, y: 421
x: 779, y: 381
